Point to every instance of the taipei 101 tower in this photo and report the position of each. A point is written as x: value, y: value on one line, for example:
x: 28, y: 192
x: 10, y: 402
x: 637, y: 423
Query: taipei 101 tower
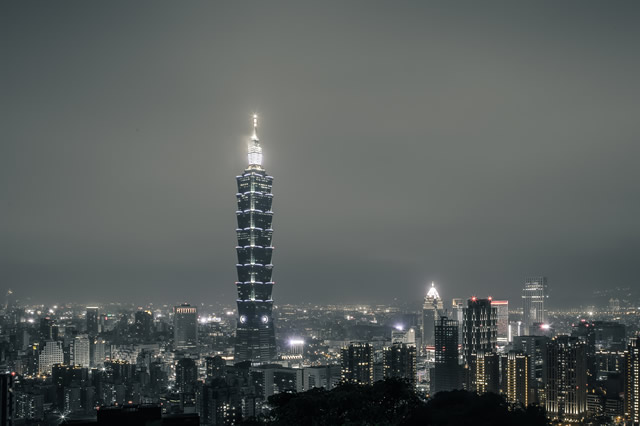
x: 255, y: 334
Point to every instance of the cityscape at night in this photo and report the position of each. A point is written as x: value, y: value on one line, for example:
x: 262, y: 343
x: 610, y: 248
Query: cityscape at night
x: 357, y: 213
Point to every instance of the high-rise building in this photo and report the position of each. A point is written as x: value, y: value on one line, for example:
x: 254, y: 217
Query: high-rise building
x: 536, y: 348
x: 502, y: 309
x: 432, y: 309
x: 479, y: 328
x: 81, y: 351
x: 483, y: 373
x: 143, y: 323
x: 185, y: 326
x: 534, y: 294
x: 515, y: 377
x: 632, y: 391
x: 457, y: 309
x: 7, y: 399
x: 186, y: 375
x: 357, y: 363
x: 92, y: 321
x: 255, y: 333
x: 566, y: 396
x: 399, y: 361
x: 52, y: 353
x: 446, y: 372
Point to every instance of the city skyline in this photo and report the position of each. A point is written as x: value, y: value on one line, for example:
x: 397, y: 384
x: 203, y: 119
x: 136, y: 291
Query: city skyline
x: 437, y: 151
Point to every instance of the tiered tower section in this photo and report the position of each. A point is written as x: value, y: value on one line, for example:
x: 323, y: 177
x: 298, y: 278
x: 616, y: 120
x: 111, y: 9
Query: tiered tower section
x: 255, y: 335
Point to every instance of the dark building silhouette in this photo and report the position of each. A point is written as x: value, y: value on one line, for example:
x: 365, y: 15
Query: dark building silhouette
x: 185, y: 326
x: 92, y: 321
x: 357, y: 363
x: 447, y: 371
x: 399, y: 361
x: 7, y: 399
x: 255, y: 333
x: 143, y: 324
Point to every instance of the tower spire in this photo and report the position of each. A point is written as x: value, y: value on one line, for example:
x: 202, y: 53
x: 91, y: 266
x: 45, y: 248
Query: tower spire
x: 255, y: 127
x: 255, y: 151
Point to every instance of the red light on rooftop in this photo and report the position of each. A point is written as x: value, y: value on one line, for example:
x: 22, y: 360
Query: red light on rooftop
x: 473, y: 299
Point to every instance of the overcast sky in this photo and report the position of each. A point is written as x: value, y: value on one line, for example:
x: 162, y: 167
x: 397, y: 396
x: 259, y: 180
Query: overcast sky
x: 472, y: 144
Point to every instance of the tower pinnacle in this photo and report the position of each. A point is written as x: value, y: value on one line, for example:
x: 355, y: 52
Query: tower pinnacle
x: 255, y: 127
x: 255, y: 150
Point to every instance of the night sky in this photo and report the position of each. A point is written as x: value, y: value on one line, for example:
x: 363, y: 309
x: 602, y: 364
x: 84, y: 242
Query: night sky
x: 469, y: 143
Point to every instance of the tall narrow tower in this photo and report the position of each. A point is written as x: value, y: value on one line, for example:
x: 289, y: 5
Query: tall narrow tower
x: 255, y: 334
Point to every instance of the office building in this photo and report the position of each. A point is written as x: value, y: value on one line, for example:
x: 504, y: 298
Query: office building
x: 255, y: 332
x: 535, y: 347
x: 632, y: 382
x: 51, y: 354
x: 447, y: 372
x: 399, y: 361
x: 432, y: 309
x: 515, y: 377
x: 357, y: 363
x: 566, y: 396
x: 534, y: 295
x: 143, y: 325
x: 92, y: 318
x: 483, y: 373
x: 185, y: 326
x: 502, y: 312
x: 479, y: 328
x: 80, y: 351
x: 7, y: 399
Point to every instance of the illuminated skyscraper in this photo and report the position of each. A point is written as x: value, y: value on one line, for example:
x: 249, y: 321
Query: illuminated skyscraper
x: 534, y: 294
x: 566, y: 396
x: 479, y: 328
x: 502, y: 307
x: 255, y: 333
x: 431, y: 311
x: 632, y: 392
x: 515, y: 377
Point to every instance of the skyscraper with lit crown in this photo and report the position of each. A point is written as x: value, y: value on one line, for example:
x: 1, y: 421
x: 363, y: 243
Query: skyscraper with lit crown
x: 432, y: 309
x: 255, y: 333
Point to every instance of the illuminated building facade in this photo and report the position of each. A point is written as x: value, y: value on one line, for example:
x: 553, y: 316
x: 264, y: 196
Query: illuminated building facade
x: 255, y: 333
x: 479, y: 327
x: 536, y: 348
x: 357, y: 364
x: 502, y: 312
x: 566, y: 396
x: 431, y: 311
x: 399, y: 361
x: 515, y: 377
x: 632, y: 391
x: 534, y: 294
x: 483, y: 374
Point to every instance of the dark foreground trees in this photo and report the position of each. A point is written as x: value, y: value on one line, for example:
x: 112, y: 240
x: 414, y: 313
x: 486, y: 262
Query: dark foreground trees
x: 393, y: 402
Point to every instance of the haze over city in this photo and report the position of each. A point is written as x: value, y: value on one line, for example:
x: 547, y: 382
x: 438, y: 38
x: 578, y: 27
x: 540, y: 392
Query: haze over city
x: 468, y: 144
